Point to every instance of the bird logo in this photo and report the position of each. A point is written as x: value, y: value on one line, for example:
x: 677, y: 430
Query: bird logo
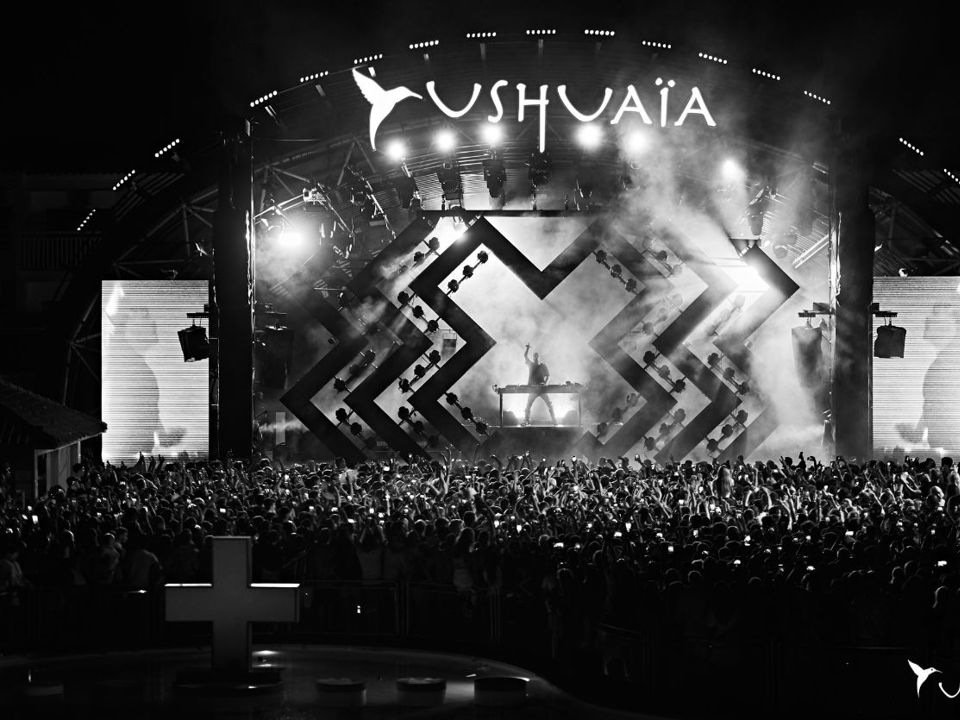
x: 922, y: 674
x: 381, y: 101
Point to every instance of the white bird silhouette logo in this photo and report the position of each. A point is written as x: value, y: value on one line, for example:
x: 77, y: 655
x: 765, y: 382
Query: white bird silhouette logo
x: 922, y: 674
x: 381, y: 101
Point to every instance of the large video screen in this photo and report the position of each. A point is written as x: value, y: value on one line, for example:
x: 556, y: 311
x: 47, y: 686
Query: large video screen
x: 152, y: 401
x: 916, y: 399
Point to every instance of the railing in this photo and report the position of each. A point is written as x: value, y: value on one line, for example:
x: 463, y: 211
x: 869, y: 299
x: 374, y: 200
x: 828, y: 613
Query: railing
x: 648, y: 670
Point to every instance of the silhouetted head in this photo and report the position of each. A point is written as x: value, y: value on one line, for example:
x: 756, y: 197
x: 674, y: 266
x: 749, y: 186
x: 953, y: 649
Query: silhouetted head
x: 536, y: 357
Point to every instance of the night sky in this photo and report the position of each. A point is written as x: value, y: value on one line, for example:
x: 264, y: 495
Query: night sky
x: 97, y: 89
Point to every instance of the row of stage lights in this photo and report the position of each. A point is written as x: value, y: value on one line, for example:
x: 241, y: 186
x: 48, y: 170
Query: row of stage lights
x: 588, y: 135
x: 167, y: 148
x: 84, y: 222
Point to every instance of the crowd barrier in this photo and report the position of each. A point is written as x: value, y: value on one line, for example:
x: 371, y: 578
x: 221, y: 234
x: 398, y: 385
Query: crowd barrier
x: 643, y: 670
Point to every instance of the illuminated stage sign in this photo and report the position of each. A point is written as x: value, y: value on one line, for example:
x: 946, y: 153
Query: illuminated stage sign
x: 382, y: 102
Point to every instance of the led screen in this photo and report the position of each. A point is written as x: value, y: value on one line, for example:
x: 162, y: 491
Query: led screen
x: 152, y: 401
x: 916, y: 399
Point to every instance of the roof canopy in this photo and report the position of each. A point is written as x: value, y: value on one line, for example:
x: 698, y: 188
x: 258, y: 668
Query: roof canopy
x: 31, y: 420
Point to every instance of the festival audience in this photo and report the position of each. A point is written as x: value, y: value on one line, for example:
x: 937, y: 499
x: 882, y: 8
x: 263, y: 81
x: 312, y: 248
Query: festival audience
x: 863, y: 553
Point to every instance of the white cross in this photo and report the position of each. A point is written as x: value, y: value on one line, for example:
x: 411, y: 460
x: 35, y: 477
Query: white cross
x: 232, y: 602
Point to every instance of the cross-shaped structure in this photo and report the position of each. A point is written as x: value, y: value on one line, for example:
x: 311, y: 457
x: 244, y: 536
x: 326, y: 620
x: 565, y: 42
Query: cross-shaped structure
x: 231, y: 603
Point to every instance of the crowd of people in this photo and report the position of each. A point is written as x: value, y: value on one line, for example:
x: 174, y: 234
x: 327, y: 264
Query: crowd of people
x: 804, y: 548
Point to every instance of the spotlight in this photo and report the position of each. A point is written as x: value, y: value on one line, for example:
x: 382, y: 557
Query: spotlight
x: 397, y: 150
x: 290, y: 238
x: 731, y: 171
x: 446, y: 141
x: 637, y: 142
x: 649, y: 360
x: 449, y: 177
x: 492, y: 133
x: 713, y: 444
x: 194, y: 343
x: 590, y: 136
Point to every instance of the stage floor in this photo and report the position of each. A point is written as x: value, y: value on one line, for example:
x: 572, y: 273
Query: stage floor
x: 140, y: 685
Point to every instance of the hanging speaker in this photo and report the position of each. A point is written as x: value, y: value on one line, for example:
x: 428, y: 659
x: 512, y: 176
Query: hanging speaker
x: 274, y: 351
x: 810, y: 363
x: 890, y: 341
x: 194, y: 343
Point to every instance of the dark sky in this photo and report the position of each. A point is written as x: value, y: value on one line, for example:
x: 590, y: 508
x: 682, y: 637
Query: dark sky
x: 96, y: 86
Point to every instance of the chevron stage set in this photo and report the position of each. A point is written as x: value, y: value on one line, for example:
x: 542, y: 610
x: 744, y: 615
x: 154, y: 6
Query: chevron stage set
x: 681, y: 341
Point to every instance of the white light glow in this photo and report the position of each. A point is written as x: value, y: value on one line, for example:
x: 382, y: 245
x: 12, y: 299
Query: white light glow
x: 638, y: 142
x: 732, y: 171
x: 748, y: 280
x: 492, y: 133
x: 290, y: 238
x: 396, y: 150
x: 446, y: 141
x: 590, y: 136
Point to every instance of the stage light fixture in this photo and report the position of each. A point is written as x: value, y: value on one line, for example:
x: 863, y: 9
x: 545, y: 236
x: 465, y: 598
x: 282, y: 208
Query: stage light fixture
x: 649, y: 360
x: 539, y: 167
x: 450, y: 181
x: 589, y: 136
x: 397, y: 150
x: 494, y: 173
x: 194, y: 343
x: 445, y: 141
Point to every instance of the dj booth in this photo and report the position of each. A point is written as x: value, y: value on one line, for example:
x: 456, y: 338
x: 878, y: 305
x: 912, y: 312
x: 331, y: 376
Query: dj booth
x: 569, y: 388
